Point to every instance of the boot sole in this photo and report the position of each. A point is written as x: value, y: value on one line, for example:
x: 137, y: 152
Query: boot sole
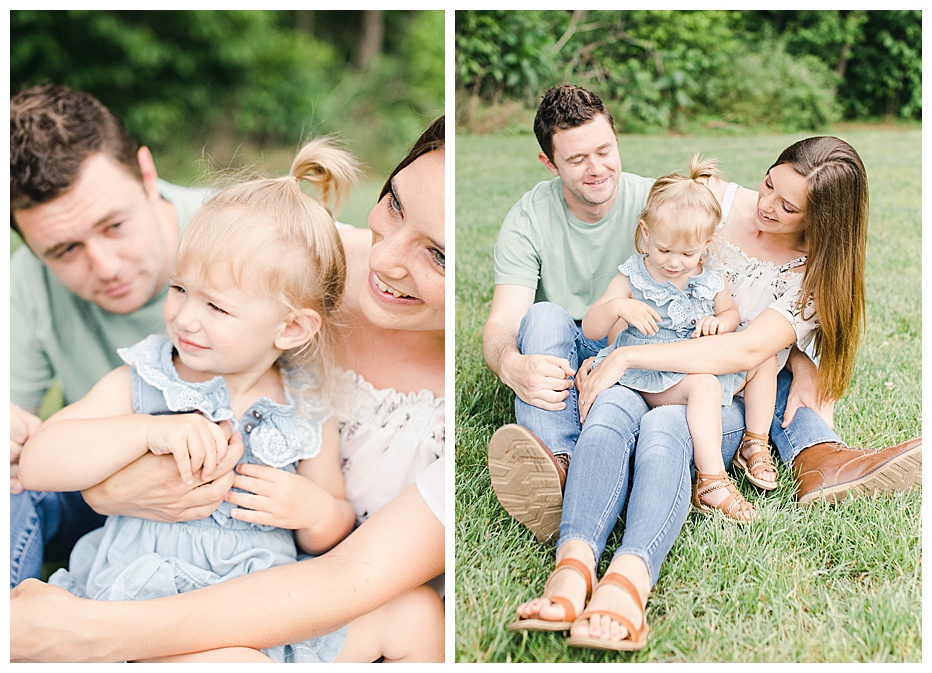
x: 526, y: 481
x: 901, y: 473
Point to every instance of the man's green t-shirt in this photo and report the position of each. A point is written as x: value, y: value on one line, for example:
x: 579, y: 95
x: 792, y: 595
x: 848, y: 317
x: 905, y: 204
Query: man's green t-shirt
x: 56, y: 334
x: 569, y: 262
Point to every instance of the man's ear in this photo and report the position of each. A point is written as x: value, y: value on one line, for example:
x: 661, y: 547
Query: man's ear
x: 150, y: 178
x: 545, y: 160
x: 298, y: 329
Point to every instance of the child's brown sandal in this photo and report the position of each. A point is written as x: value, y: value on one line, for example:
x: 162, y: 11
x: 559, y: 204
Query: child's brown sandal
x: 734, y: 506
x: 760, y: 462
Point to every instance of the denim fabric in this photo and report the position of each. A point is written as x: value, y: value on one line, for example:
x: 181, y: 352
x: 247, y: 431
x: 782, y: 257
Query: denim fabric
x: 659, y: 471
x: 807, y: 428
x: 547, y: 329
x: 45, y: 525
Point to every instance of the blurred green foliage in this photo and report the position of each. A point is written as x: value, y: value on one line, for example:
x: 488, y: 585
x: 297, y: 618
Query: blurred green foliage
x: 258, y: 79
x: 799, y: 70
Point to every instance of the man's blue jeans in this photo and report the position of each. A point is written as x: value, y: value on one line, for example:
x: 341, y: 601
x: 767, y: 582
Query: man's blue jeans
x: 547, y: 329
x: 626, y: 453
x: 45, y: 525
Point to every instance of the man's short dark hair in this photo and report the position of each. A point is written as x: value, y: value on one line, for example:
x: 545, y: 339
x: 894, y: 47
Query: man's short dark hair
x: 53, y: 129
x: 566, y: 107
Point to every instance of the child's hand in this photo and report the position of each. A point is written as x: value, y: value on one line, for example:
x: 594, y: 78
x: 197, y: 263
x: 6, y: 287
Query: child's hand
x: 275, y: 497
x: 638, y: 314
x: 708, y: 325
x: 194, y: 441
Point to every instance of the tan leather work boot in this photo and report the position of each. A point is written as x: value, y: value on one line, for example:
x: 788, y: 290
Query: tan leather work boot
x: 831, y: 472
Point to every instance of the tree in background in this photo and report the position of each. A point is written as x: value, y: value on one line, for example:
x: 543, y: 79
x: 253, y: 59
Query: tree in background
x: 263, y: 77
x: 669, y: 69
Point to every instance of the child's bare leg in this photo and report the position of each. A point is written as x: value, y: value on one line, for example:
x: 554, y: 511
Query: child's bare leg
x: 702, y: 395
x: 760, y: 392
x: 409, y: 629
x: 230, y: 655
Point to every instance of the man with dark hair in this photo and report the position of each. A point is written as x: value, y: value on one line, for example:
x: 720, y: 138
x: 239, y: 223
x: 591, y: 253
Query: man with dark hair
x: 100, y: 231
x: 557, y: 251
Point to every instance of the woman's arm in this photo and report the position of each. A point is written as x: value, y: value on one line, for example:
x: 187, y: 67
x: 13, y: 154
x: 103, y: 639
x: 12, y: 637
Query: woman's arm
x: 398, y: 549
x: 764, y: 337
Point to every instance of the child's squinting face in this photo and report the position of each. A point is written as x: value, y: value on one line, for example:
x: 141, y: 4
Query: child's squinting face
x: 671, y: 257
x: 221, y: 327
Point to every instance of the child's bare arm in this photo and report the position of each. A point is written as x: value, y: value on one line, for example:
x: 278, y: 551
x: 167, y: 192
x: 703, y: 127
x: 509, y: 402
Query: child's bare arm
x: 85, y: 442
x: 616, y: 305
x: 92, y: 439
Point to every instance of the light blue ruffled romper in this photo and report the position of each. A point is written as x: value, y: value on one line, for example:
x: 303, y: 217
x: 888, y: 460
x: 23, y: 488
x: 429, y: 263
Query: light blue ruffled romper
x: 136, y: 559
x: 679, y: 311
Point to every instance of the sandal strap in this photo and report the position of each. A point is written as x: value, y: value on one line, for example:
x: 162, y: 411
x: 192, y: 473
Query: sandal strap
x: 569, y: 612
x: 716, y: 482
x: 623, y: 583
x: 581, y: 568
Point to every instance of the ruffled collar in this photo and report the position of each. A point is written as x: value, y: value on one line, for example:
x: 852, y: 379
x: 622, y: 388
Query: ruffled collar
x: 277, y: 434
x: 700, y: 288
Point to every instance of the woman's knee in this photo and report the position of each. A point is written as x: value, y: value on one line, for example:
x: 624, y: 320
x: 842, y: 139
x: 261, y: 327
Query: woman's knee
x: 664, y: 431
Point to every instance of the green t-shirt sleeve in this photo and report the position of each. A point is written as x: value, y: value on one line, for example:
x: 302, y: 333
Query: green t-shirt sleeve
x: 517, y: 254
x: 31, y: 371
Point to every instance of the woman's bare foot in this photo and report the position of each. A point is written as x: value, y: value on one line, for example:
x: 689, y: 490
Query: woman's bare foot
x: 565, y: 594
x: 610, y: 598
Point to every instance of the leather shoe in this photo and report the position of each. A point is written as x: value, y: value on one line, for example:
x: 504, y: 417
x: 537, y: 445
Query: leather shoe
x: 832, y: 472
x: 527, y: 479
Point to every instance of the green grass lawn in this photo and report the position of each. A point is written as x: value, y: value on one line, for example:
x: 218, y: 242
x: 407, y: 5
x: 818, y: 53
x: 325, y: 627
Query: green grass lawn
x: 828, y: 583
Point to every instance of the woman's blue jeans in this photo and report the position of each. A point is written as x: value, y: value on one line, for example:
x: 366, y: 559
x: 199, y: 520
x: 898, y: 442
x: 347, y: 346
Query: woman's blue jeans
x: 43, y: 526
x: 623, y: 442
x: 547, y: 329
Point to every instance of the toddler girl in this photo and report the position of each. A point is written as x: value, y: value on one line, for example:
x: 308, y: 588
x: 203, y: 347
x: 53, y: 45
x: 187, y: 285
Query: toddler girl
x: 674, y: 290
x: 258, y: 276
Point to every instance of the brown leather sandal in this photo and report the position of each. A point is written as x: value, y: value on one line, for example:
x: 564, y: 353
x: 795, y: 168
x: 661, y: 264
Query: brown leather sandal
x: 734, y: 506
x: 636, y: 639
x: 569, y: 612
x: 759, y: 463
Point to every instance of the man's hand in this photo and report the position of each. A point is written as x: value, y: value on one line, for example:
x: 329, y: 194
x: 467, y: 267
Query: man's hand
x: 542, y: 381
x: 22, y: 426
x: 151, y: 488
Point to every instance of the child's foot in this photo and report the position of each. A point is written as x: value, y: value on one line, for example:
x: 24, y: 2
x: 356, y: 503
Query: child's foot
x: 753, y: 458
x: 565, y: 595
x: 715, y: 491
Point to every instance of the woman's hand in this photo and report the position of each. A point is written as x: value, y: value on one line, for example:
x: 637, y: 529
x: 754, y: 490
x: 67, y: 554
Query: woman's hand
x: 804, y: 389
x: 803, y: 394
x: 49, y: 624
x: 595, y: 381
x: 194, y: 441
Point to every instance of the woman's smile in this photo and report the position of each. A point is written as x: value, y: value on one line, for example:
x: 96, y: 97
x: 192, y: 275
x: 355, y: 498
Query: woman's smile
x: 386, y: 292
